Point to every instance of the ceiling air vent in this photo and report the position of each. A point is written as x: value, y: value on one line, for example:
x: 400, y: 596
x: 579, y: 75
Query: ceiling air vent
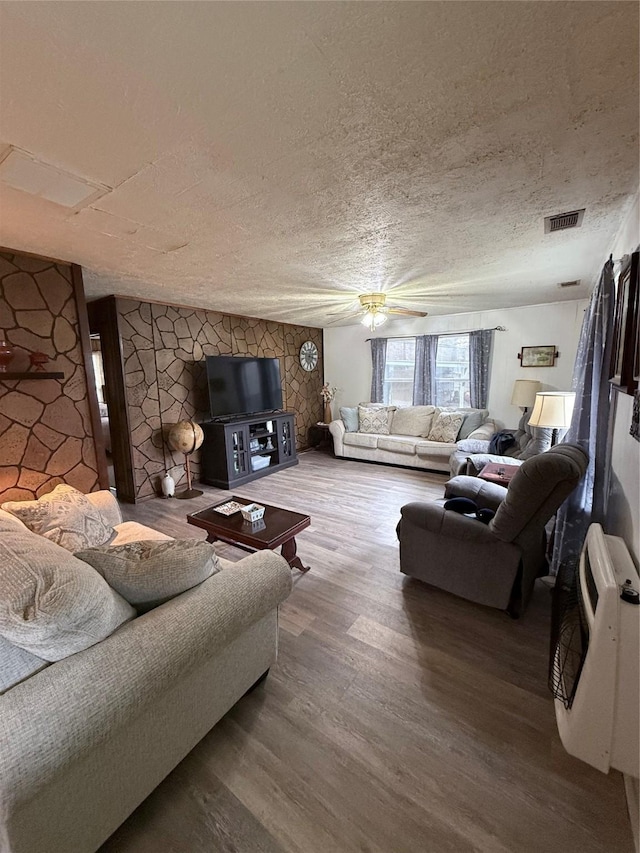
x: 569, y: 283
x: 562, y: 221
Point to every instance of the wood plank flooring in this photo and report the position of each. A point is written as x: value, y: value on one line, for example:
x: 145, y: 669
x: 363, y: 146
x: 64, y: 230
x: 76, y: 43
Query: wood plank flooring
x: 398, y: 719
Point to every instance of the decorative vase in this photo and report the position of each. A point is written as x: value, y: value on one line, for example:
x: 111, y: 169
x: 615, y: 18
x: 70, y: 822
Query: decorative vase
x: 6, y: 355
x: 168, y: 486
x: 327, y: 417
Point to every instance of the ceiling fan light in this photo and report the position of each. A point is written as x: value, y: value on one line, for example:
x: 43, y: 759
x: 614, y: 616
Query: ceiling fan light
x: 373, y: 319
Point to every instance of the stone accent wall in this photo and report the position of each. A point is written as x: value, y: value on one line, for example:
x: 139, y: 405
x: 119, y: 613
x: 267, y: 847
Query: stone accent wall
x: 164, y: 349
x: 46, y: 436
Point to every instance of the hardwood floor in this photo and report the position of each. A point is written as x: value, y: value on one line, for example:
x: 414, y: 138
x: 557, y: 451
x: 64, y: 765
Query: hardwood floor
x: 398, y: 719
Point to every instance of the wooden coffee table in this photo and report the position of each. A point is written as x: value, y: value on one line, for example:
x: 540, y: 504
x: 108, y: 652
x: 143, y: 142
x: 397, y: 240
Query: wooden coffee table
x: 278, y: 527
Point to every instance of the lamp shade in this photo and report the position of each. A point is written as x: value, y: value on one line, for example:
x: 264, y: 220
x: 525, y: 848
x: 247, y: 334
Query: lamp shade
x: 553, y: 409
x: 524, y: 392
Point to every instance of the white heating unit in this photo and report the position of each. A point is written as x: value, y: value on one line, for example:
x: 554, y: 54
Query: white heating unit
x: 597, y: 659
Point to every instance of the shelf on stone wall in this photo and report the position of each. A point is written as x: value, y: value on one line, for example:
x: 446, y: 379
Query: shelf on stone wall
x: 8, y: 375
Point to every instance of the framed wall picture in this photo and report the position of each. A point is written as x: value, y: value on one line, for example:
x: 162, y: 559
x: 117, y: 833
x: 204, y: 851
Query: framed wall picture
x: 625, y: 354
x: 542, y: 356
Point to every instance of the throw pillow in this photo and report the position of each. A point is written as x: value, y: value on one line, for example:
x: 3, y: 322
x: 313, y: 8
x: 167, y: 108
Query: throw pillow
x: 412, y: 420
x: 150, y: 572
x: 473, y: 445
x: 52, y: 604
x: 64, y: 516
x: 446, y: 427
x: 473, y: 419
x: 349, y: 417
x: 374, y: 420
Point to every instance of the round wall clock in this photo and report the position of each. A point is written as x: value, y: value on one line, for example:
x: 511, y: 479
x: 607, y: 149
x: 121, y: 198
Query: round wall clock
x: 308, y: 355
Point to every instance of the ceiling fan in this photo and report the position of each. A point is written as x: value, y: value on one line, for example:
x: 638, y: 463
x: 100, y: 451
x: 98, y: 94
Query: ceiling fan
x: 375, y: 311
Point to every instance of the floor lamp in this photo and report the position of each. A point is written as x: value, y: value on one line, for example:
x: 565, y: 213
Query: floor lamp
x: 553, y: 410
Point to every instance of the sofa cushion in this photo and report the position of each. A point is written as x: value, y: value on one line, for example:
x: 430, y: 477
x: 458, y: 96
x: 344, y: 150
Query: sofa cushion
x: 133, y: 531
x: 349, y: 415
x: 149, y: 572
x: 361, y: 439
x: 412, y: 420
x: 398, y: 444
x: 433, y: 449
x: 16, y: 664
x: 374, y: 420
x: 63, y: 516
x: 446, y: 427
x: 52, y: 604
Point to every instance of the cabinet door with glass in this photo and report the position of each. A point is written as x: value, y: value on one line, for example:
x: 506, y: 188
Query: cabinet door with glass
x: 286, y: 439
x: 237, y: 451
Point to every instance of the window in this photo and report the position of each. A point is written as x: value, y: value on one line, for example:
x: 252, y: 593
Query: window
x: 398, y: 371
x: 452, y: 371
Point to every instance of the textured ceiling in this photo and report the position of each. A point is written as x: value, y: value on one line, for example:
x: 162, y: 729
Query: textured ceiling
x: 274, y: 159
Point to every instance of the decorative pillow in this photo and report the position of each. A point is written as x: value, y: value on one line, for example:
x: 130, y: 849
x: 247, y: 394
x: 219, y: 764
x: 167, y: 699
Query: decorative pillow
x: 16, y: 665
x: 349, y: 418
x: 147, y: 573
x: 374, y: 420
x: 412, y: 420
x: 64, y: 516
x: 473, y: 419
x: 446, y: 427
x: 52, y: 604
x: 473, y: 445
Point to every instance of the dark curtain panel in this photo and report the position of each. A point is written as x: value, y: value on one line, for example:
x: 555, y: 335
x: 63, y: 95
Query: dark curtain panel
x: 378, y: 361
x: 424, y: 374
x: 589, y: 425
x: 480, y: 344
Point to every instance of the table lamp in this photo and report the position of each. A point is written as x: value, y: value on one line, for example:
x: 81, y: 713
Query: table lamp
x: 553, y: 410
x: 524, y: 392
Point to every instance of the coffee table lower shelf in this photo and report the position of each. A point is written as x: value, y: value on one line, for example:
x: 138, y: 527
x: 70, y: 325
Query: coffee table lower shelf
x: 277, y: 529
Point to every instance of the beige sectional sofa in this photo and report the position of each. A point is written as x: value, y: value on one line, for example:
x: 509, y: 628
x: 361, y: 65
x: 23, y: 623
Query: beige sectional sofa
x: 414, y: 451
x: 87, y: 738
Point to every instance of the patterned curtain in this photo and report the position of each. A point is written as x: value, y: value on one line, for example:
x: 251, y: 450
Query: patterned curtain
x: 378, y: 361
x: 589, y: 424
x: 480, y: 344
x: 424, y: 374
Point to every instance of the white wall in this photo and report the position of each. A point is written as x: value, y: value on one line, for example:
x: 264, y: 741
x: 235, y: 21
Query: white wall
x: 347, y: 355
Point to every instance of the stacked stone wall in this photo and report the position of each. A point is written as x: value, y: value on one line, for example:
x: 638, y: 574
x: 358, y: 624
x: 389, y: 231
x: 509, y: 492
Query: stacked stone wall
x: 164, y: 348
x: 46, y: 436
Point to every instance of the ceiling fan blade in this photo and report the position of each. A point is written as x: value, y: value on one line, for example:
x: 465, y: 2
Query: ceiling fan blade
x: 406, y: 312
x: 344, y: 314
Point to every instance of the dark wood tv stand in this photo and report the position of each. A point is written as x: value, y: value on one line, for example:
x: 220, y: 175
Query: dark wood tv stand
x: 230, y: 451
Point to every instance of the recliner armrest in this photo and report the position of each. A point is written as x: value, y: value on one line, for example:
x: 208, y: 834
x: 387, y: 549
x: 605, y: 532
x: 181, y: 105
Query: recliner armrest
x: 434, y: 518
x: 487, y: 495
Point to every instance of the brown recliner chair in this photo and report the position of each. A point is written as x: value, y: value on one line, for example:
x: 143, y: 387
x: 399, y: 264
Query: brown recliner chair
x: 494, y: 564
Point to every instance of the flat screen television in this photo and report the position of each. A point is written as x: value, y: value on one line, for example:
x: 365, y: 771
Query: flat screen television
x: 242, y: 385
